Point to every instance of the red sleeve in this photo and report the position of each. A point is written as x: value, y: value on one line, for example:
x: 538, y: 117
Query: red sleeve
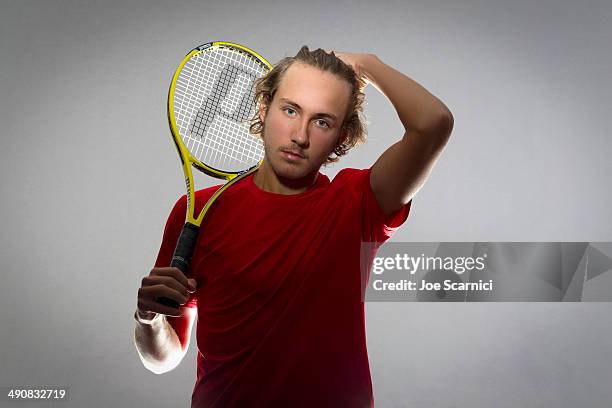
x: 376, y: 226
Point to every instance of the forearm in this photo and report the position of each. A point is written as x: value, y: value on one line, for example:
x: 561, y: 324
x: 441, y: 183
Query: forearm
x: 158, y: 345
x: 418, y: 110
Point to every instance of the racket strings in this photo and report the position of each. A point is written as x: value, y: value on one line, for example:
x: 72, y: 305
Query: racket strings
x: 213, y: 102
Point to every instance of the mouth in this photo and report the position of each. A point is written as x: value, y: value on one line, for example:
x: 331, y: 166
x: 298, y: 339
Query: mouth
x: 292, y: 155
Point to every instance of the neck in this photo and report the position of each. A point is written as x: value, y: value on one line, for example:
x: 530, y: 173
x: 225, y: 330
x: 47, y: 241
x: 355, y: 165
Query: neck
x: 266, y: 179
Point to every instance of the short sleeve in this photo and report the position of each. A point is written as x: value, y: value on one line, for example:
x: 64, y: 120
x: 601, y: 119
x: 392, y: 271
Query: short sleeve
x: 376, y: 226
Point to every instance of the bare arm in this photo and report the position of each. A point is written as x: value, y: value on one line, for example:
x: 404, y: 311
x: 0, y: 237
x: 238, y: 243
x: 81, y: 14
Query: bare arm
x: 158, y: 345
x: 161, y: 345
x: 400, y: 172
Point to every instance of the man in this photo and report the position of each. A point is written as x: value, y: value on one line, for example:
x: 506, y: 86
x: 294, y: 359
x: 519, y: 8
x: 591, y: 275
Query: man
x: 275, y: 278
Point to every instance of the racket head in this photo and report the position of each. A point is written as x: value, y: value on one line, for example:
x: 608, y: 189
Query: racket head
x: 210, y: 103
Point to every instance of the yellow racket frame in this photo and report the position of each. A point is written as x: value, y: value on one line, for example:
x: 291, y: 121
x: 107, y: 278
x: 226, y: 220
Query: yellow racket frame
x: 187, y: 159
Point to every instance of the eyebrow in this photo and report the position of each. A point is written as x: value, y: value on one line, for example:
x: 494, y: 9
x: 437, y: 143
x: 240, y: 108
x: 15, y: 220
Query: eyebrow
x: 320, y: 114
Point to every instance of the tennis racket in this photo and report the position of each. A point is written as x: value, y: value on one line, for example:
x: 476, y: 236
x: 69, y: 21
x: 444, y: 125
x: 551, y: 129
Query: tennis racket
x: 210, y: 103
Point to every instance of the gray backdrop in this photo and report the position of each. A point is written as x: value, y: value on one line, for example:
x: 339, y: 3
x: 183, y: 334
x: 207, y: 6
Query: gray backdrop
x: 89, y: 175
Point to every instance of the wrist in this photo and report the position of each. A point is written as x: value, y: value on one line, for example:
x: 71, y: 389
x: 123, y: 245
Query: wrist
x: 148, y: 318
x: 367, y: 65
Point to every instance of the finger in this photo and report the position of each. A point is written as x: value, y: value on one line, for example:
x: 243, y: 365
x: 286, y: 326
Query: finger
x: 193, y: 285
x: 173, y: 272
x: 167, y: 281
x: 154, y: 292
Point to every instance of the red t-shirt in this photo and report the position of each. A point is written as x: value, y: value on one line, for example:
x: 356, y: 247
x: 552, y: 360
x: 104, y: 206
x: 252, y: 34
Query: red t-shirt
x: 279, y: 299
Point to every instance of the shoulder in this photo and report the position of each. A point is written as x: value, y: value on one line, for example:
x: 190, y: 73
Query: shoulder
x: 201, y: 197
x: 205, y: 193
x: 349, y: 173
x: 356, y: 179
x: 377, y: 226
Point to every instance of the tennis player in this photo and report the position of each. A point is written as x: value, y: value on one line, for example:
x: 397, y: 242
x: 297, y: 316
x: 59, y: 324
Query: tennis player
x: 275, y: 277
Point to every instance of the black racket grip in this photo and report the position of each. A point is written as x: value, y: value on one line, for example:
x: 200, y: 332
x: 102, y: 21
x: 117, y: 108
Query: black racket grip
x: 182, y: 256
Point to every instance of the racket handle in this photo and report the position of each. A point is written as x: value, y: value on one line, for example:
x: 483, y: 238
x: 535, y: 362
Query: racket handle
x: 184, y: 247
x: 182, y: 256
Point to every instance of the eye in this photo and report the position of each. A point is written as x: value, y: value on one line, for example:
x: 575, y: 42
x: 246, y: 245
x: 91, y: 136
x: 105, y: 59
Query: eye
x: 290, y: 111
x: 323, y: 123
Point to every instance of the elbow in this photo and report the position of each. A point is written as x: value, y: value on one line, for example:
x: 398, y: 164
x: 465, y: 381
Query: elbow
x: 444, y: 128
x: 161, y: 367
x: 157, y: 369
x: 438, y: 133
x: 444, y: 124
x: 161, y: 362
x: 439, y: 127
x: 159, y: 351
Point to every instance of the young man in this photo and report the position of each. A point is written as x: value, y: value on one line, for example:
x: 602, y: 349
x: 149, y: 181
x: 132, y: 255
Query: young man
x: 275, y: 280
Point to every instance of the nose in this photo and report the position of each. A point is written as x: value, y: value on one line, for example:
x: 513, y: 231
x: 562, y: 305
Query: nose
x: 300, y: 135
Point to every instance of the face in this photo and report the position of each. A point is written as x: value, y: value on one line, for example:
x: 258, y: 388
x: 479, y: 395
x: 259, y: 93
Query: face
x: 303, y: 123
